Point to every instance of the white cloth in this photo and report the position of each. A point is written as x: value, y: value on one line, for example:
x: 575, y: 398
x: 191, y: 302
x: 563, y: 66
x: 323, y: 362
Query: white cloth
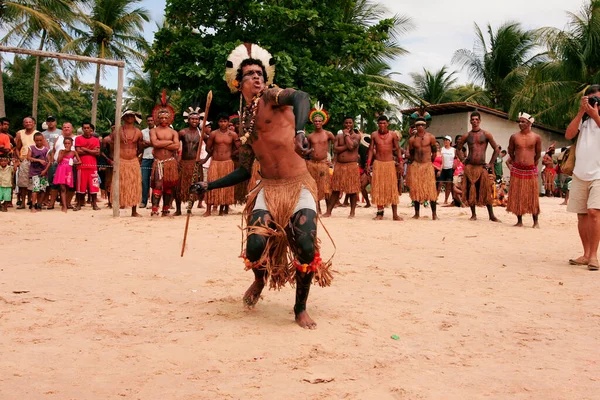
x: 60, y: 145
x: 448, y: 157
x: 51, y: 137
x: 148, y: 150
x: 203, y: 155
x: 306, y: 200
x: 587, y: 159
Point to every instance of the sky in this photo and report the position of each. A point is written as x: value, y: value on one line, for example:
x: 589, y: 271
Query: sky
x: 440, y: 28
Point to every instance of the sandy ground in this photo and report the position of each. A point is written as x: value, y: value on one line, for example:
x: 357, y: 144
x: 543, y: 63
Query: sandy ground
x: 93, y: 307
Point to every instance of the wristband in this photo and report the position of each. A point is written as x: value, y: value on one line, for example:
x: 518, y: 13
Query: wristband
x: 300, y: 132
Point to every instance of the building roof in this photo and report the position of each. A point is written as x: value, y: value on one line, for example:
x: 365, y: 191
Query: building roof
x: 463, y: 106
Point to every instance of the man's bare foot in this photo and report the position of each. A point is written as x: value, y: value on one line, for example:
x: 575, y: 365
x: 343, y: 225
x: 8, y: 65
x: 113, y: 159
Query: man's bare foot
x: 34, y: 210
x: 177, y: 213
x: 435, y: 217
x: 252, y: 295
x: 63, y: 209
x: 564, y: 203
x: 518, y: 224
x: 494, y: 219
x: 135, y: 214
x: 367, y: 206
x: 536, y: 225
x: 305, y: 321
x: 397, y: 218
x: 415, y: 216
x: 95, y: 207
x: 378, y: 217
x: 206, y: 214
x: 154, y: 214
x: 326, y: 215
x: 351, y: 216
x: 221, y: 213
x: 473, y: 218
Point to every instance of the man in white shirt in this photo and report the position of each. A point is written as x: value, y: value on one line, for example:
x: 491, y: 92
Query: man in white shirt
x: 447, y: 173
x: 584, y: 198
x: 147, y: 160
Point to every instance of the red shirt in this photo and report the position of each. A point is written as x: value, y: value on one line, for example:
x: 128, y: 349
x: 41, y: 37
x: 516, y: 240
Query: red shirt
x: 5, y: 140
x: 88, y: 161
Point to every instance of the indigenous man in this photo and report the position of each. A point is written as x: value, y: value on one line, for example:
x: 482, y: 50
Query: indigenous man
x: 525, y: 149
x: 165, y: 175
x: 88, y: 148
x: 281, y: 211
x: 190, y: 140
x: 346, y: 172
x: 384, y: 184
x: 476, y: 184
x: 317, y: 164
x: 220, y: 148
x: 363, y: 153
x: 130, y: 175
x: 549, y: 172
x: 23, y: 140
x: 422, y: 151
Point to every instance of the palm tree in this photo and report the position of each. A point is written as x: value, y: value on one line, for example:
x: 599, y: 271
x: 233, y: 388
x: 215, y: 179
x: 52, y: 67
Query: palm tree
x: 114, y: 30
x: 554, y: 87
x: 143, y: 92
x: 44, y: 22
x: 433, y: 87
x: 501, y: 65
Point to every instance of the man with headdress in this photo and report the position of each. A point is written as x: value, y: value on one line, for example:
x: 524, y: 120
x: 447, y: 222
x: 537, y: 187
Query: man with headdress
x: 130, y: 175
x: 190, y: 140
x: 346, y: 172
x: 317, y: 164
x: 422, y: 151
x: 524, y: 148
x: 476, y: 184
x: 382, y: 167
x: 220, y: 147
x: 165, y: 175
x: 549, y: 172
x: 281, y: 211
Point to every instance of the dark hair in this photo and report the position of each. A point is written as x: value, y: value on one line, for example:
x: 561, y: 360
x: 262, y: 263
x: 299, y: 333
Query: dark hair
x: 149, y: 116
x: 348, y: 117
x: 29, y: 116
x: 592, y: 89
x: 503, y: 151
x: 87, y: 123
x: 223, y: 116
x: 37, y: 134
x: 68, y: 138
x: 475, y: 114
x: 251, y: 61
x: 382, y: 118
x: 4, y: 119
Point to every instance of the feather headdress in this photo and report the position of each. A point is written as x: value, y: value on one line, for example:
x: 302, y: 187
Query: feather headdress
x: 162, y: 108
x: 191, y: 111
x: 244, y: 52
x: 318, y: 111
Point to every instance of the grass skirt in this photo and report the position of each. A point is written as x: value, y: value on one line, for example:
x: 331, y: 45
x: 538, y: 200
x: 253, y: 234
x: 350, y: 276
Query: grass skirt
x: 422, y: 178
x: 130, y: 183
x: 346, y: 178
x: 523, y: 192
x: 165, y: 174
x: 319, y: 170
x: 476, y: 186
x: 548, y: 175
x: 281, y: 197
x: 384, y: 184
x: 223, y: 196
x: 187, y: 178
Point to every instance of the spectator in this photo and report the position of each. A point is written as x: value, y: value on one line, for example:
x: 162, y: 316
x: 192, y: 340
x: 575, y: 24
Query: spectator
x: 37, y: 155
x: 23, y: 140
x: 147, y: 160
x: 498, y: 170
x: 584, y: 197
x: 65, y: 177
x: 88, y: 148
x: 5, y: 145
x: 6, y: 179
x: 52, y: 132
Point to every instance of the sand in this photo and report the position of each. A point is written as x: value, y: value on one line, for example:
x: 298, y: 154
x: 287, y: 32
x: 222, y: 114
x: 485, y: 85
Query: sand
x: 93, y: 307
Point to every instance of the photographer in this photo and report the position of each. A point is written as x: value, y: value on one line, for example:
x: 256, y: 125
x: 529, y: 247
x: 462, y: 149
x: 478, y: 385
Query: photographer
x: 585, y: 188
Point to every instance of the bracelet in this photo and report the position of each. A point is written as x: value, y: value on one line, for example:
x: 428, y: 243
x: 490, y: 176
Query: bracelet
x: 277, y: 97
x: 300, y: 132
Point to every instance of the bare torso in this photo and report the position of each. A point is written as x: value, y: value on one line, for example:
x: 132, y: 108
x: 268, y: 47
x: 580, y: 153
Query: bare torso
x: 477, y: 143
x: 547, y: 161
x: 190, y: 138
x: 384, y: 145
x: 319, y: 142
x: 221, y: 143
x: 525, y: 149
x: 350, y: 144
x: 130, y: 138
x: 165, y: 142
x: 420, y: 148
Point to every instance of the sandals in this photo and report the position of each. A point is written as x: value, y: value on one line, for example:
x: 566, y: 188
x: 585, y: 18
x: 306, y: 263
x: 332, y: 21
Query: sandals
x: 578, y: 261
x: 593, y: 265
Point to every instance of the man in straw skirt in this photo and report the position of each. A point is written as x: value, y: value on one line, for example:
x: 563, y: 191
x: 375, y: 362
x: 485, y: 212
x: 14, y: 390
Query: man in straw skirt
x: 384, y: 183
x: 422, y: 150
x: 476, y: 184
x: 130, y: 176
x: 190, y: 140
x: 220, y: 147
x: 317, y: 164
x: 525, y: 149
x: 281, y: 211
x: 165, y: 170
x: 346, y: 172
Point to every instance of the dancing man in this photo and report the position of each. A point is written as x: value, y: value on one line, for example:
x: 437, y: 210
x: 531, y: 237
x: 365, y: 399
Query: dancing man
x: 476, y: 184
x: 281, y: 211
x: 525, y: 149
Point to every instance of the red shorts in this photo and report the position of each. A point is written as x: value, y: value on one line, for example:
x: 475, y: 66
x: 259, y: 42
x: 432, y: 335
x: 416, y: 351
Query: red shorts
x: 87, y: 179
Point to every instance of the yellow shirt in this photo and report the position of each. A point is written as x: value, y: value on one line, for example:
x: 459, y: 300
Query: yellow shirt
x: 26, y: 141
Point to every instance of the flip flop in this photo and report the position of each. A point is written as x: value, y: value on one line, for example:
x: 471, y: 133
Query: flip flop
x: 593, y: 265
x: 578, y: 261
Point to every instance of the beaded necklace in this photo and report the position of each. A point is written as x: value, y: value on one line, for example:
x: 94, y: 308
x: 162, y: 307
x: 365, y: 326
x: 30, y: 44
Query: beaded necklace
x: 250, y: 113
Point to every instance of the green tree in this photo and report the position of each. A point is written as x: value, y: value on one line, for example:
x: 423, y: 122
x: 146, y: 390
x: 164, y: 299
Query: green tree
x: 143, y: 92
x: 433, y: 87
x: 43, y: 22
x: 315, y: 49
x: 500, y: 63
x: 114, y: 31
x: 554, y: 87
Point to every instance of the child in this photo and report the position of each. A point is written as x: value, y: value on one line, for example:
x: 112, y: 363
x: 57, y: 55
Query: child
x: 64, y: 171
x: 38, y: 170
x: 6, y: 179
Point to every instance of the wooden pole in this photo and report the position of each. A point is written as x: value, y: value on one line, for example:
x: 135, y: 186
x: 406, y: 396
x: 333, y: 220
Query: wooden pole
x: 117, y: 146
x: 63, y: 56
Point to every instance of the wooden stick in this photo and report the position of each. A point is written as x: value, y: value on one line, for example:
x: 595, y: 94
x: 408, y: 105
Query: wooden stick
x: 116, y: 187
x: 195, y: 176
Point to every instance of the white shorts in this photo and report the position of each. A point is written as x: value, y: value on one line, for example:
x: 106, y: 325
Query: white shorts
x: 583, y: 195
x: 305, y: 200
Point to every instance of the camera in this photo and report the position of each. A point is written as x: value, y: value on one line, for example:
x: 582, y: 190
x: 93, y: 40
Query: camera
x: 593, y: 100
